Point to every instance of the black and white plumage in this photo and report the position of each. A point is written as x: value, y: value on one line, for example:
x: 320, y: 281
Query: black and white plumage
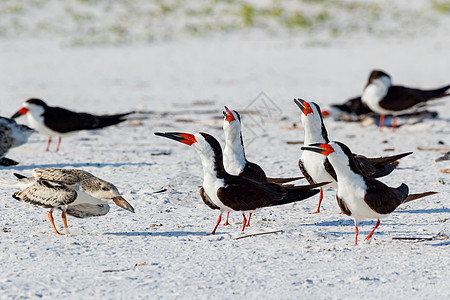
x: 58, y: 122
x: 75, y: 192
x: 12, y: 135
x: 358, y: 195
x: 234, y: 193
x: 234, y: 159
x: 446, y: 156
x: 317, y: 168
x: 386, y: 99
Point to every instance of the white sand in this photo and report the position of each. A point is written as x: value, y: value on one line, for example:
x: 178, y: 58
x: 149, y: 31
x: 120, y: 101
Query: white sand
x: 314, y: 256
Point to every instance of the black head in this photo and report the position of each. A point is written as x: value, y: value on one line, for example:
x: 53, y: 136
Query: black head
x: 376, y: 74
x: 36, y: 101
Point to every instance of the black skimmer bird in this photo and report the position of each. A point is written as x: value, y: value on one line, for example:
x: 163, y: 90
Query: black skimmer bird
x: 358, y: 195
x: 57, y: 121
x: 11, y: 135
x: 234, y: 193
x: 317, y: 168
x: 351, y: 106
x: 446, y: 156
x: 234, y: 159
x: 386, y: 99
x: 75, y: 192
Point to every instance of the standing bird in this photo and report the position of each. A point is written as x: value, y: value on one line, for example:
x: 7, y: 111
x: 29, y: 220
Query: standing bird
x: 317, y: 168
x: 75, y: 192
x: 57, y: 121
x: 234, y: 193
x: 234, y: 159
x: 358, y: 195
x: 11, y: 135
x: 386, y: 99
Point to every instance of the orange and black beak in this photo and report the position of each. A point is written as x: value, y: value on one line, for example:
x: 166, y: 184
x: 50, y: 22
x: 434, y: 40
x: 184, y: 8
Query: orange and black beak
x: 304, y: 106
x: 185, y: 138
x: 121, y: 202
x: 20, y: 112
x: 228, y: 115
x: 324, y: 149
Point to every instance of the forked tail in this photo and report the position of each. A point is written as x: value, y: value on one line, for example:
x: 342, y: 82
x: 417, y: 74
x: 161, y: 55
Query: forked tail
x: 412, y: 197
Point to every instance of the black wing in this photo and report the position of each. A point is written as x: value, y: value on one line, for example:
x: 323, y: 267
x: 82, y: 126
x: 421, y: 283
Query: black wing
x: 254, y: 172
x: 304, y: 172
x: 207, y: 200
x: 400, y: 98
x: 63, y: 120
x: 245, y: 194
x: 343, y: 207
x: 384, y: 199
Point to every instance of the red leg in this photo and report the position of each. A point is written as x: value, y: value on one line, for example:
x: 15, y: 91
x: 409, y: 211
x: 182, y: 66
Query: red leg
x: 381, y: 122
x: 248, y: 221
x: 63, y: 216
x: 50, y: 217
x: 356, y: 234
x: 244, y: 223
x: 369, y: 236
x: 59, y: 143
x: 320, y: 202
x: 48, y: 143
x: 394, y: 123
x: 217, y: 224
x: 226, y: 222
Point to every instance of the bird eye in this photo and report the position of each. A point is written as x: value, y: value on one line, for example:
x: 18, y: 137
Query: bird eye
x: 105, y: 189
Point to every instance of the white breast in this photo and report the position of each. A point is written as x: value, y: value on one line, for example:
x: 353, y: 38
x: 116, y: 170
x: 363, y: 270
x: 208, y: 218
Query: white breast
x: 313, y: 163
x: 352, y: 189
x: 37, y: 123
x: 375, y: 92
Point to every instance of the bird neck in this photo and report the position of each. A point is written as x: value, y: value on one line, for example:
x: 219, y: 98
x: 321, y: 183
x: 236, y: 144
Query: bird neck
x: 212, y: 163
x: 315, y: 132
x: 234, y: 154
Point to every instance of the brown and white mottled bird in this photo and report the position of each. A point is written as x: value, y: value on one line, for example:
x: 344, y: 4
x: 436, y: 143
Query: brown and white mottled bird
x: 234, y: 193
x: 12, y: 135
x: 386, y: 99
x: 57, y: 121
x: 75, y: 192
x: 360, y: 196
x: 317, y: 168
x: 234, y: 159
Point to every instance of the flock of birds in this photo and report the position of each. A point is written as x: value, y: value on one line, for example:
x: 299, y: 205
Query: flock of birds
x: 231, y: 183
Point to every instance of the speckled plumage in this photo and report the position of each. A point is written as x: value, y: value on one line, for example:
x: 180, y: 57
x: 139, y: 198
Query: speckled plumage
x: 75, y: 192
x: 11, y: 135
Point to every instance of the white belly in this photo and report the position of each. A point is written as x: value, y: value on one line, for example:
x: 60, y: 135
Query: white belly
x: 211, y: 185
x: 352, y: 193
x: 40, y: 127
x: 313, y: 164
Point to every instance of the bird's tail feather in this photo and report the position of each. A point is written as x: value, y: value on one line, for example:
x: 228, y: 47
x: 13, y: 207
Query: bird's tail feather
x: 283, y: 180
x: 412, y: 197
x: 108, y: 120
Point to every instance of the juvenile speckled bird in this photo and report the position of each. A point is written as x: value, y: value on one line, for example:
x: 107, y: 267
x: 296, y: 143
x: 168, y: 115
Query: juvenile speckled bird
x: 12, y: 135
x: 75, y: 192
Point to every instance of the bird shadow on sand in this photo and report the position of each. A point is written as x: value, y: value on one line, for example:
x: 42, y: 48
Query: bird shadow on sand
x: 441, y: 244
x: 78, y: 165
x: 159, y: 233
x: 425, y: 211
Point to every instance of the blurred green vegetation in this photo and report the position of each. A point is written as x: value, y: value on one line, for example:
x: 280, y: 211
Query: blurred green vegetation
x: 83, y: 22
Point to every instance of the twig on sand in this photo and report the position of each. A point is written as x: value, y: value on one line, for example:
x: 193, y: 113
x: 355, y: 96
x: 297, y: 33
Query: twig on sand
x: 125, y: 269
x: 446, y: 171
x: 255, y: 234
x: 421, y: 239
x: 433, y: 148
